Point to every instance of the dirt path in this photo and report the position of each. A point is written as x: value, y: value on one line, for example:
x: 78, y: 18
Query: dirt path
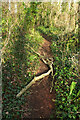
x: 39, y: 103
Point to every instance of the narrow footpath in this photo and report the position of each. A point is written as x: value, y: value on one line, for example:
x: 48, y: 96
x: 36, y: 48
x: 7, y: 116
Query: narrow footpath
x: 39, y: 102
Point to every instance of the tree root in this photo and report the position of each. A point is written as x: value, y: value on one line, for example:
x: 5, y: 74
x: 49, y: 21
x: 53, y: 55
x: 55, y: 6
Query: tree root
x: 49, y: 62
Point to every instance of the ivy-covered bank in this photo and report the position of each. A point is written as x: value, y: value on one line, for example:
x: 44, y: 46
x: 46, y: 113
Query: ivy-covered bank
x: 66, y: 67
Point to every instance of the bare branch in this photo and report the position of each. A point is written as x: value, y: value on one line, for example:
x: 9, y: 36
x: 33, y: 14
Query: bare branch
x: 32, y: 82
x: 49, y: 62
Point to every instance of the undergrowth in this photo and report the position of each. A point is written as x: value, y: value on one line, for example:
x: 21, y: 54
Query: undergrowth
x: 18, y: 70
x: 19, y: 63
x: 66, y: 67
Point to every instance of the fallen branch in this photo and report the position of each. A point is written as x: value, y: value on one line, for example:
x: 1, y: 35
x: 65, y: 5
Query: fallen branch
x: 42, y: 57
x: 49, y: 62
x: 32, y: 82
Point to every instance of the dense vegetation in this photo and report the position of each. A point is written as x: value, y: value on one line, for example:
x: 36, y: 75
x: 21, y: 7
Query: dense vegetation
x: 19, y: 63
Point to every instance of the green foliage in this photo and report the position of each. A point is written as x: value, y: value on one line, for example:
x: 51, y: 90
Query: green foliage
x: 67, y: 80
x: 66, y: 73
x: 51, y: 32
x: 19, y: 61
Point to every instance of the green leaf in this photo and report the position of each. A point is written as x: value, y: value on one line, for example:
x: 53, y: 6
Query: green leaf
x: 70, y: 116
x: 63, y: 99
x: 74, y: 117
x: 75, y: 108
x: 32, y: 57
x: 72, y: 87
x: 61, y: 82
x: 78, y: 93
x: 61, y: 106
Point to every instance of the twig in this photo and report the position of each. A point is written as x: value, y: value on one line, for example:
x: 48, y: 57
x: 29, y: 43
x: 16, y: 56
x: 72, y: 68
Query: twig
x: 42, y: 57
x: 59, y: 112
x: 52, y: 83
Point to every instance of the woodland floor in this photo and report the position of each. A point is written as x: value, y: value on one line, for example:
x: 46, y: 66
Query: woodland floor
x: 39, y: 102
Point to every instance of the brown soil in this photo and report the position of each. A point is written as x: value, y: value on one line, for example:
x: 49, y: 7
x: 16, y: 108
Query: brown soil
x: 39, y: 102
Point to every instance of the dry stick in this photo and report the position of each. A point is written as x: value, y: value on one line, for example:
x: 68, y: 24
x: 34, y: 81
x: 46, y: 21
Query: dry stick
x: 49, y: 60
x: 42, y: 57
x: 60, y: 112
x: 52, y: 83
x: 32, y: 82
